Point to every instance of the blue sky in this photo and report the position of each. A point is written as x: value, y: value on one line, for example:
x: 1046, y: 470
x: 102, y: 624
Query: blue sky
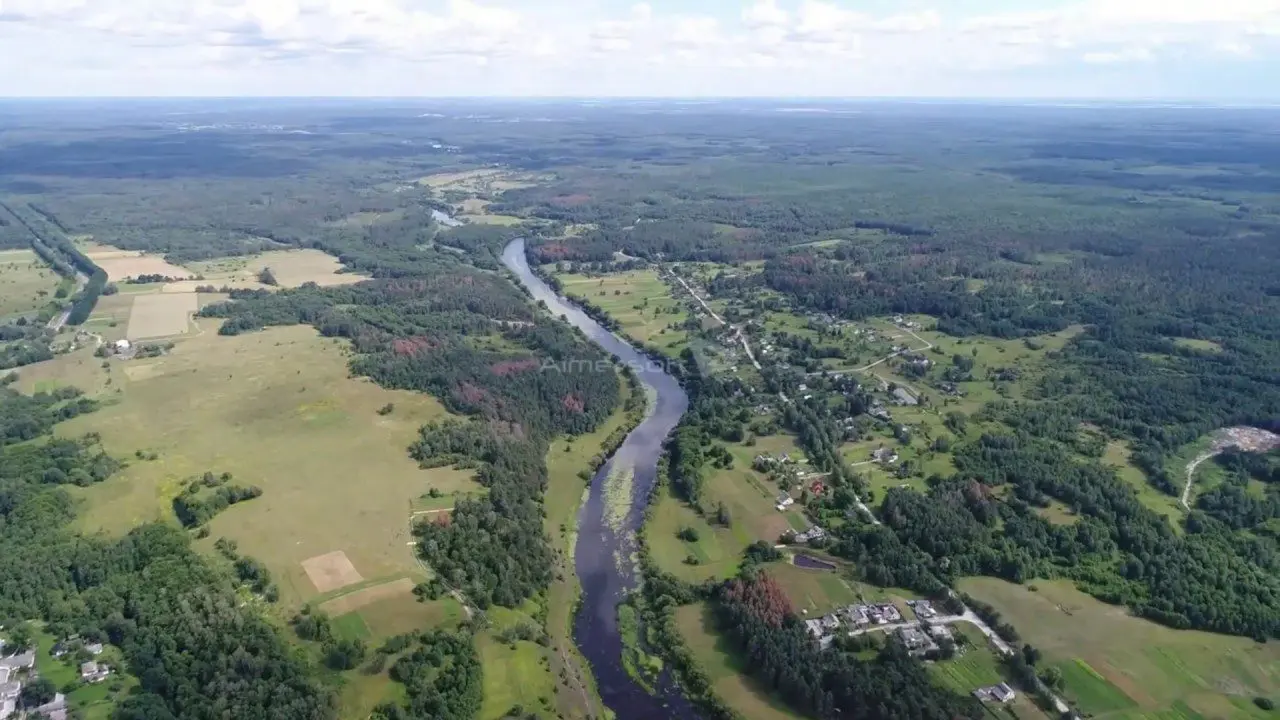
x: 1160, y: 49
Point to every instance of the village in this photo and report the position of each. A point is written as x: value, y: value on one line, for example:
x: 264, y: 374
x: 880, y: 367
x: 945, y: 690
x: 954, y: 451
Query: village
x: 25, y: 692
x: 923, y: 638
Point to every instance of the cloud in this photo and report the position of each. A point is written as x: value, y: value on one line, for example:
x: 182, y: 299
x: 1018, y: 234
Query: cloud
x: 818, y: 46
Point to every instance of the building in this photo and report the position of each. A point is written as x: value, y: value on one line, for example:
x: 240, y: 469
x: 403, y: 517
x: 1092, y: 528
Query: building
x: 7, y: 709
x: 94, y: 648
x: 1001, y: 693
x: 923, y: 609
x: 813, y: 533
x: 884, y: 455
x: 785, y: 501
x: 122, y: 345
x: 902, y: 397
x: 914, y: 639
x: 93, y: 672
x: 10, y: 690
x: 21, y: 661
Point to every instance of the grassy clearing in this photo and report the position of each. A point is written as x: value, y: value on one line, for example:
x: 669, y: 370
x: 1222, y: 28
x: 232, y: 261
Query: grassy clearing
x: 1108, y: 656
x: 515, y: 674
x: 334, y: 472
x: 747, y: 495
x: 1208, y: 346
x: 639, y: 301
x: 727, y: 673
x: 1118, y: 455
x: 26, y: 283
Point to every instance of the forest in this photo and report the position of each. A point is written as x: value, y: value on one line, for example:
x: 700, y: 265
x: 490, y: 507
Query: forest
x: 197, y: 651
x: 1151, y: 234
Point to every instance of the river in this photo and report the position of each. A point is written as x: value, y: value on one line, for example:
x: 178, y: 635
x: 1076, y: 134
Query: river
x: 604, y: 554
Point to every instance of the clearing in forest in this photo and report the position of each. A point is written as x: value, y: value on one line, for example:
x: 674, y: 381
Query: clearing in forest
x: 1120, y: 666
x: 161, y: 315
x: 278, y: 410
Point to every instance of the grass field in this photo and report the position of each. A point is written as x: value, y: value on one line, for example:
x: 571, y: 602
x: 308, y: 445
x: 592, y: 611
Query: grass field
x: 26, y: 283
x: 160, y: 315
x: 750, y: 499
x: 277, y: 410
x: 1117, y: 455
x: 639, y: 301
x: 1119, y: 666
x: 711, y: 650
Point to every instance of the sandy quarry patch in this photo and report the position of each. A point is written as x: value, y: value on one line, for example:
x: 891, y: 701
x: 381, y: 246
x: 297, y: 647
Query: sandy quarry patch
x: 331, y: 571
x: 161, y: 315
x: 368, y: 596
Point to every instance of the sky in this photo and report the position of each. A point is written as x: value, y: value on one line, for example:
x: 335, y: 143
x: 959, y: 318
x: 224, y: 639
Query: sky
x: 1105, y: 49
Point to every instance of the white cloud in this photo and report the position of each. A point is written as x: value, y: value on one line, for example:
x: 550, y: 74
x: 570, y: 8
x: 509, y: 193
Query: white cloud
x: 823, y: 46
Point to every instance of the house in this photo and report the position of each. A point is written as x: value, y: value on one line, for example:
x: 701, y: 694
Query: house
x: 902, y: 397
x: 879, y: 412
x: 813, y: 533
x: 856, y: 615
x: 93, y: 672
x: 20, y: 661
x: 914, y: 639
x: 884, y: 455
x: 816, y: 628
x: 785, y: 501
x: 940, y: 631
x: 94, y: 648
x: 923, y: 609
x: 1001, y: 693
x: 122, y: 345
x: 818, y: 487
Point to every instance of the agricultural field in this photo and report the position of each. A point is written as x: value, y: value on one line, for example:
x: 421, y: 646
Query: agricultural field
x: 472, y: 191
x: 338, y: 484
x: 1119, y: 666
x: 976, y: 666
x: 724, y: 666
x: 290, y: 268
x: 121, y: 265
x: 640, y: 301
x: 26, y: 283
x: 161, y: 315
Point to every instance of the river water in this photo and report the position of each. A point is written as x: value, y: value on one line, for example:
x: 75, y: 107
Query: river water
x: 604, y: 554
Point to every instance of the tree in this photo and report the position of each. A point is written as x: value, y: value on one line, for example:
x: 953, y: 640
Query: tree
x: 37, y: 692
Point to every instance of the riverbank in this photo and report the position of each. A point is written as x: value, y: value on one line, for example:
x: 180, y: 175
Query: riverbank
x: 600, y: 544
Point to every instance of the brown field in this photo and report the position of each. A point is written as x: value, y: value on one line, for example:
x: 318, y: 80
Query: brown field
x: 331, y: 571
x: 277, y: 409
x: 360, y: 598
x: 291, y: 268
x: 124, y: 264
x: 161, y: 315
